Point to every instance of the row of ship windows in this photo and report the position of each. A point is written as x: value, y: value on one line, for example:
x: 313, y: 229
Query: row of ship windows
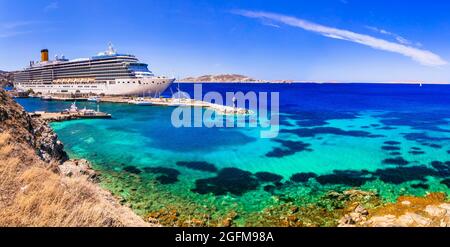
x: 92, y: 63
x: 139, y: 82
x: 92, y: 71
x: 78, y: 66
x: 117, y: 71
x: 80, y: 86
x: 81, y: 69
x: 73, y: 86
x: 112, y: 66
x: 48, y: 70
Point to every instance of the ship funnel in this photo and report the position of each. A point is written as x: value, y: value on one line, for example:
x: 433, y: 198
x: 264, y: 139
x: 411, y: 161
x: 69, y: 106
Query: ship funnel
x: 44, y: 55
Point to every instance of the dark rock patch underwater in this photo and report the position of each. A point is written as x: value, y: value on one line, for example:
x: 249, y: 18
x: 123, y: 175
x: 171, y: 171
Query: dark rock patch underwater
x: 312, y: 132
x: 392, y: 143
x: 132, y: 169
x: 198, y: 165
x: 420, y: 186
x: 165, y: 175
x: 397, y: 175
x: 396, y: 161
x: 423, y: 137
x: 446, y: 182
x: 416, y: 120
x: 318, y: 118
x: 442, y: 167
x: 303, y: 177
x: 400, y: 175
x: 228, y: 180
x: 346, y: 177
x: 390, y: 148
x: 288, y: 148
x: 268, y: 177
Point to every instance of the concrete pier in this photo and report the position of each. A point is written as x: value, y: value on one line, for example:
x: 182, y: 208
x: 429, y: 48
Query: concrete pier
x: 222, y: 109
x: 64, y: 116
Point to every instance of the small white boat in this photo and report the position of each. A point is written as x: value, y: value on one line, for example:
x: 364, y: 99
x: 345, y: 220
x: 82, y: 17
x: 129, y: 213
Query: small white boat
x: 94, y: 99
x: 46, y: 97
x: 140, y: 101
x: 73, y: 109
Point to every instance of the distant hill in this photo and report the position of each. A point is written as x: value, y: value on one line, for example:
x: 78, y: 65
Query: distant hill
x: 220, y: 78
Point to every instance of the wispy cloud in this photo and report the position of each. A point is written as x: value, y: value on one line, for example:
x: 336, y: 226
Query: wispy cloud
x: 9, y: 34
x: 397, y: 37
x: 51, y: 6
x: 424, y: 57
x: 15, y: 28
x: 15, y: 24
x: 270, y: 24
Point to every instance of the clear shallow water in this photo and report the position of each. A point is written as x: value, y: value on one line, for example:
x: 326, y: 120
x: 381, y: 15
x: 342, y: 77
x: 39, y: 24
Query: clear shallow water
x: 393, y: 139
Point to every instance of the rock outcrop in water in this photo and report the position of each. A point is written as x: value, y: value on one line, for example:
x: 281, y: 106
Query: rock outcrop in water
x: 39, y: 187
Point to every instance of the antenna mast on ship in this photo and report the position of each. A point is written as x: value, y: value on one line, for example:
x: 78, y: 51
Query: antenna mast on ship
x: 111, y: 50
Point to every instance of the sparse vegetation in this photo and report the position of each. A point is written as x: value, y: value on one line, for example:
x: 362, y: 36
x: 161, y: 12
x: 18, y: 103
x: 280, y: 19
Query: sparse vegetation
x: 34, y: 193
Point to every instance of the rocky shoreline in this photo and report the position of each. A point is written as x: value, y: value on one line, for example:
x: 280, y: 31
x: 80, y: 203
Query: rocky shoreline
x: 6, y: 78
x: 429, y: 211
x: 29, y: 148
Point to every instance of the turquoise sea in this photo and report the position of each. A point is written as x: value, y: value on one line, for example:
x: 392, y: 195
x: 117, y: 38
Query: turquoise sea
x: 390, y: 139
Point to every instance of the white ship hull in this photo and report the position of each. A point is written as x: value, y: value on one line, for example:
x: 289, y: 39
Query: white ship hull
x: 151, y: 86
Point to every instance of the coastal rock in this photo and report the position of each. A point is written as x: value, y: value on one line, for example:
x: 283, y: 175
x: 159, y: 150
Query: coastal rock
x: 47, y: 143
x: 436, y: 211
x: 6, y: 78
x: 382, y: 221
x: 413, y: 219
x: 357, y: 216
x: 361, y: 210
x: 407, y: 212
x: 33, y: 131
x: 446, y: 206
x: 228, y: 221
x: 75, y: 168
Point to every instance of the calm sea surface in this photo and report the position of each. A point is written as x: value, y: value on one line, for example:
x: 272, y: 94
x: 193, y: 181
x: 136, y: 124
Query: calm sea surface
x: 391, y: 139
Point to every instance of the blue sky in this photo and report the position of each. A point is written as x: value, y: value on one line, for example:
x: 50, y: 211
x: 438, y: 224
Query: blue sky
x: 321, y: 40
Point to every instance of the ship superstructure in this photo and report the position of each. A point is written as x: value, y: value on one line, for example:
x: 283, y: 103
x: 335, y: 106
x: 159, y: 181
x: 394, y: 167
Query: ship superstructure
x: 108, y: 73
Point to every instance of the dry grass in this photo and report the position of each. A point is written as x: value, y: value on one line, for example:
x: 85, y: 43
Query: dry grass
x: 31, y: 194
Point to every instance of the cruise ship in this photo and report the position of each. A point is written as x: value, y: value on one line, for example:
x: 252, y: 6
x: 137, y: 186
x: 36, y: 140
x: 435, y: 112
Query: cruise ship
x: 108, y: 73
